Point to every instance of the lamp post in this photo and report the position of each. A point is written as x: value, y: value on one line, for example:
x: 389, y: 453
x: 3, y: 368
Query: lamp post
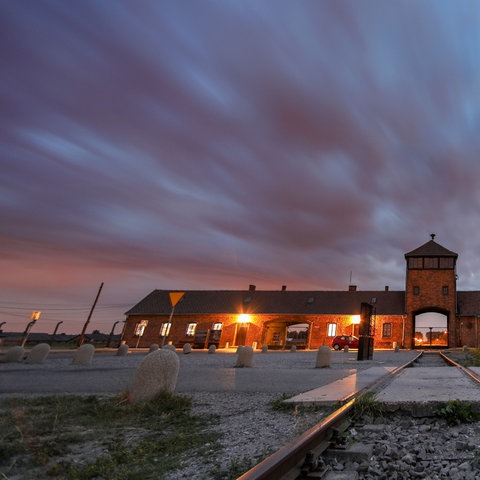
x: 3, y: 323
x: 33, y: 318
x: 52, y: 339
x: 431, y: 328
x: 111, y: 333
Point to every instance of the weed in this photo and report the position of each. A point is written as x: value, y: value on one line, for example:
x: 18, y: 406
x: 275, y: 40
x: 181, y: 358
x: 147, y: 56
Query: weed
x: 237, y: 467
x: 279, y: 404
x: 456, y: 412
x: 367, y: 406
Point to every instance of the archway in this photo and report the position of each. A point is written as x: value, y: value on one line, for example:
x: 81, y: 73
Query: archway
x: 431, y: 330
x: 281, y: 334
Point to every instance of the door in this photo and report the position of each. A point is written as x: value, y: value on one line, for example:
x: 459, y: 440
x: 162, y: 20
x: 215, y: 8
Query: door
x: 241, y: 336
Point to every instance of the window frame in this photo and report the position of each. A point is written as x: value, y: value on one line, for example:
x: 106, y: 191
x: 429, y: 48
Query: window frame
x: 190, y: 330
x: 387, y: 329
x: 165, y: 329
x: 332, y: 330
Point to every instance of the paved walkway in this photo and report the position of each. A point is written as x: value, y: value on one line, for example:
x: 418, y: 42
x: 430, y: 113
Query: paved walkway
x: 282, y: 372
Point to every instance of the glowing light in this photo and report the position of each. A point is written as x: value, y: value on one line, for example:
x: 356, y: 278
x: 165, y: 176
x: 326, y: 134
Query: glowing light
x: 356, y: 319
x: 243, y: 318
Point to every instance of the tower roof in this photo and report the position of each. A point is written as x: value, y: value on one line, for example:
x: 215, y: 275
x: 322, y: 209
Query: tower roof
x: 431, y: 248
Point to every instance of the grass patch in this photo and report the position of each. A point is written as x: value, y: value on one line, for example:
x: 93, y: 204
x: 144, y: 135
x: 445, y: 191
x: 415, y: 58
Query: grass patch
x: 75, y: 437
x: 457, y: 412
x: 367, y: 406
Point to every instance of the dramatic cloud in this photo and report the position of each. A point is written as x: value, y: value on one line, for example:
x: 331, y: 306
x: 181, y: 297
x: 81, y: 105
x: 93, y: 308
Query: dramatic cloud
x: 214, y: 144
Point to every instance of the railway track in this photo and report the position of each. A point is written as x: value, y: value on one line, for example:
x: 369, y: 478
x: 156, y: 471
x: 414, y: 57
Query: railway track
x: 302, y: 458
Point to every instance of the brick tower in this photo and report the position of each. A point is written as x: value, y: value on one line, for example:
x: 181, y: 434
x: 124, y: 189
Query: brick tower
x: 431, y: 286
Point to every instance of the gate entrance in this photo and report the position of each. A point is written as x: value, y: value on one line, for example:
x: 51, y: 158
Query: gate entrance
x: 285, y: 334
x: 431, y: 330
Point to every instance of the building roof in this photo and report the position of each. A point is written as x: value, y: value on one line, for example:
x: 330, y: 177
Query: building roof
x: 270, y: 302
x: 431, y: 248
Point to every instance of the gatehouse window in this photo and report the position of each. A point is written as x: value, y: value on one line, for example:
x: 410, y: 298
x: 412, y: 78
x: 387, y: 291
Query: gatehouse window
x: 217, y: 326
x: 331, y: 329
x: 416, y: 290
x: 165, y: 329
x: 190, y: 332
x: 446, y: 262
x: 430, y: 262
x: 445, y: 290
x: 415, y: 262
x: 387, y: 330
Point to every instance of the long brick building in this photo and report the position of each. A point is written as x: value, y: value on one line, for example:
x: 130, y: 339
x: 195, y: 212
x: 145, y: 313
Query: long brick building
x: 429, y: 313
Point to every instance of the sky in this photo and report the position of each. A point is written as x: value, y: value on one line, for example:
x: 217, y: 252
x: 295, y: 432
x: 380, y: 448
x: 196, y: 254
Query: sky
x: 202, y: 144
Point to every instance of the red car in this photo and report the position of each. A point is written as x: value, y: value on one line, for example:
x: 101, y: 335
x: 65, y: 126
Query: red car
x: 342, y: 341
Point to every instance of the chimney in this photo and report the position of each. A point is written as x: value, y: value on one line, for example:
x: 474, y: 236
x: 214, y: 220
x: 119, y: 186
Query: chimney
x: 386, y: 288
x: 252, y: 288
x: 284, y: 288
x: 352, y: 288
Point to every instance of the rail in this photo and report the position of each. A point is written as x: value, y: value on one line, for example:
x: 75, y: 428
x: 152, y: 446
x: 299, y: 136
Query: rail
x: 289, y: 462
x: 466, y: 371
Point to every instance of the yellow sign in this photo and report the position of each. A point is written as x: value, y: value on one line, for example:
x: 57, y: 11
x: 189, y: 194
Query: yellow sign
x: 175, y: 297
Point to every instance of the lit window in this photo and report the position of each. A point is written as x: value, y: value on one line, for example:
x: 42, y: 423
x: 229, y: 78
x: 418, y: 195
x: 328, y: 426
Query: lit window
x: 140, y: 328
x: 387, y: 330
x: 217, y: 326
x: 191, y: 329
x: 165, y: 329
x: 331, y: 329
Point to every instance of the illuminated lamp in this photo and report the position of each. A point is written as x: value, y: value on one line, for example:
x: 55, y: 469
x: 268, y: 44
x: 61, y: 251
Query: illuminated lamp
x: 355, y: 321
x: 243, y: 318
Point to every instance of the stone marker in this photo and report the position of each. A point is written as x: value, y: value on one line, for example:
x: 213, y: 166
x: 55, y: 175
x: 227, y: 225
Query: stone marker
x: 158, y: 372
x: 212, y: 349
x: 38, y: 353
x: 84, y: 354
x: 324, y: 355
x: 245, y: 357
x: 15, y: 354
x: 346, y: 349
x: 169, y: 347
x: 239, y: 349
x: 293, y: 348
x: 187, y: 348
x: 265, y: 349
x: 122, y: 350
x: 153, y: 347
x: 397, y: 348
